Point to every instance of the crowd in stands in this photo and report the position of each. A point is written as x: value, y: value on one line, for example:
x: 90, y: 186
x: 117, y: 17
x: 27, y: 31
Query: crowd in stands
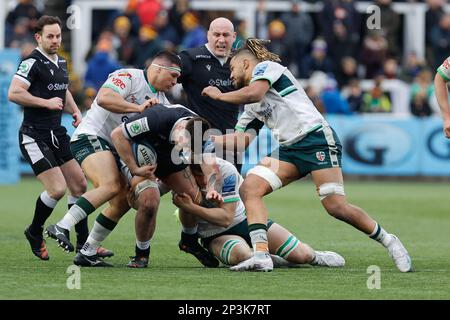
x: 332, y: 49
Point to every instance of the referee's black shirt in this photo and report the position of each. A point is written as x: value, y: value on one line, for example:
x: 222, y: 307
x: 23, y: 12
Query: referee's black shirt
x: 47, y: 80
x: 201, y: 69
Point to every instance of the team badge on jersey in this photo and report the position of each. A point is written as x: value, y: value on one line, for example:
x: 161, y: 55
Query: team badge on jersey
x: 320, y: 155
x: 25, y: 67
x: 137, y: 127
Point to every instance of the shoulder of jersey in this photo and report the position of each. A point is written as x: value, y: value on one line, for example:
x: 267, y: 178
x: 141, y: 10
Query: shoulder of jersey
x: 198, y: 53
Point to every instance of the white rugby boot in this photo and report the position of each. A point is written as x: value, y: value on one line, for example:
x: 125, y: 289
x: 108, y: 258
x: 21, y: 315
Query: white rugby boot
x: 327, y: 259
x: 399, y: 254
x: 258, y: 262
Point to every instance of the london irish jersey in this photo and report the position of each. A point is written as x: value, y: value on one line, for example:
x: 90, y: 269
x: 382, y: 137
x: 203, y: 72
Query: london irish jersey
x: 232, y: 180
x: 285, y: 109
x: 444, y: 70
x: 133, y: 86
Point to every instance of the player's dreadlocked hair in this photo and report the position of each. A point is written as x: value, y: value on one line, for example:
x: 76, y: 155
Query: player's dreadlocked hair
x: 258, y: 48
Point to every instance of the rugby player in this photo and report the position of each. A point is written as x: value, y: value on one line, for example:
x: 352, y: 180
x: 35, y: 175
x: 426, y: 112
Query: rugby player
x: 441, y: 81
x: 308, y: 145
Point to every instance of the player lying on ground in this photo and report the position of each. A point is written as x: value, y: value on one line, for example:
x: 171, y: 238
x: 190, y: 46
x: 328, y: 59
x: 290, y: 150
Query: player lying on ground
x: 125, y: 93
x: 223, y: 228
x: 308, y: 145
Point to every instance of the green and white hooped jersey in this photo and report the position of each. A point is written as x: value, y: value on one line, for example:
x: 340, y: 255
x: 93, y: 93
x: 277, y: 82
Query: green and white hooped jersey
x: 444, y: 70
x: 232, y: 180
x: 285, y: 109
x: 133, y: 86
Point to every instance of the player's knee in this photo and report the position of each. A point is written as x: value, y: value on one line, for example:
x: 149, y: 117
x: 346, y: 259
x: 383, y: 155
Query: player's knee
x: 57, y: 191
x: 241, y: 252
x: 336, y: 209
x: 148, y: 206
x: 79, y: 187
x: 248, y: 191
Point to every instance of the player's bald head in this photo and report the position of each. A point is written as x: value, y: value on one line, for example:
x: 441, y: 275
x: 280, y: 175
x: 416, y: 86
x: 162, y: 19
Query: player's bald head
x: 221, y: 23
x: 221, y: 36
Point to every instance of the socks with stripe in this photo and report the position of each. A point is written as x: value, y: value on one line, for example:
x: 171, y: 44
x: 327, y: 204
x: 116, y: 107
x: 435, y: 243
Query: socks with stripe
x: 287, y: 247
x: 80, y: 210
x: 102, y: 228
x: 380, y: 235
x: 258, y: 235
x: 142, y: 248
x: 44, y: 208
x: 81, y: 228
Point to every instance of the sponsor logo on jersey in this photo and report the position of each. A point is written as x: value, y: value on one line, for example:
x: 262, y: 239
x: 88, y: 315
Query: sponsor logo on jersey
x: 320, y: 155
x: 205, y: 56
x: 260, y: 69
x: 220, y: 82
x: 125, y: 74
x: 265, y: 113
x: 57, y: 86
x: 118, y: 83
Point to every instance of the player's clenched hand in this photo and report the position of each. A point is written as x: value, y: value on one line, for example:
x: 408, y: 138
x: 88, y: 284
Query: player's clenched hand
x: 147, y: 104
x: 211, y: 92
x: 145, y: 171
x: 182, y: 201
x: 55, y: 103
x: 76, y: 118
x: 213, y: 195
x: 447, y: 128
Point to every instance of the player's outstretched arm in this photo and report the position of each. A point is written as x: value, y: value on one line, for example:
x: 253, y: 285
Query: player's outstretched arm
x: 221, y: 216
x: 72, y: 108
x: 18, y: 93
x: 250, y: 94
x: 441, y: 90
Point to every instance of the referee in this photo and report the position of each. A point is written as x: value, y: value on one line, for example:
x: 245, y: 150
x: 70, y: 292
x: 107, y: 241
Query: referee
x: 40, y: 87
x: 209, y: 65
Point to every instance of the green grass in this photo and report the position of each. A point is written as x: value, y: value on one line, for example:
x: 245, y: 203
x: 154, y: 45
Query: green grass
x: 417, y: 212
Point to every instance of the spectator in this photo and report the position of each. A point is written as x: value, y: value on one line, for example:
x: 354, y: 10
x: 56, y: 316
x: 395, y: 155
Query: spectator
x: 440, y: 40
x: 314, y: 96
x: 195, y: 34
x: 178, y: 9
x: 147, y: 10
x: 342, y: 13
x: 277, y: 32
x: 342, y: 43
x: 433, y: 15
x: 24, y: 9
x: 318, y: 61
x: 376, y: 100
x: 347, y: 71
x: 390, y: 24
x: 168, y: 35
x: 423, y: 85
x: 126, y: 42
x: 354, y: 96
x: 147, y: 46
x: 100, y: 65
x: 374, y: 52
x: 413, y: 65
x: 297, y: 42
x: 332, y: 99
x: 21, y: 33
x: 419, y: 106
x: 390, y: 69
x: 241, y: 33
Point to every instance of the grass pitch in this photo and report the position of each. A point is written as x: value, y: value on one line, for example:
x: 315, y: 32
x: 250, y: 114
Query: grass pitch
x: 419, y: 213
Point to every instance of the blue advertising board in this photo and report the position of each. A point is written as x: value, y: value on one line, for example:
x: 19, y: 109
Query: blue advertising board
x: 10, y: 115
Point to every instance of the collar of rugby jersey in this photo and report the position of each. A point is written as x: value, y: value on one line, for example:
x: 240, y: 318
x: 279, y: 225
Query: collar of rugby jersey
x: 149, y: 84
x: 221, y: 60
x: 55, y: 62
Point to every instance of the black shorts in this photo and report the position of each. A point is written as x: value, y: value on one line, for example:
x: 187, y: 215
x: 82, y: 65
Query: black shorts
x: 44, y: 148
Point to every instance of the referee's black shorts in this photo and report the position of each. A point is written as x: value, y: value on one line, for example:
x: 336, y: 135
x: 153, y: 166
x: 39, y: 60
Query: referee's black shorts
x: 44, y: 148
